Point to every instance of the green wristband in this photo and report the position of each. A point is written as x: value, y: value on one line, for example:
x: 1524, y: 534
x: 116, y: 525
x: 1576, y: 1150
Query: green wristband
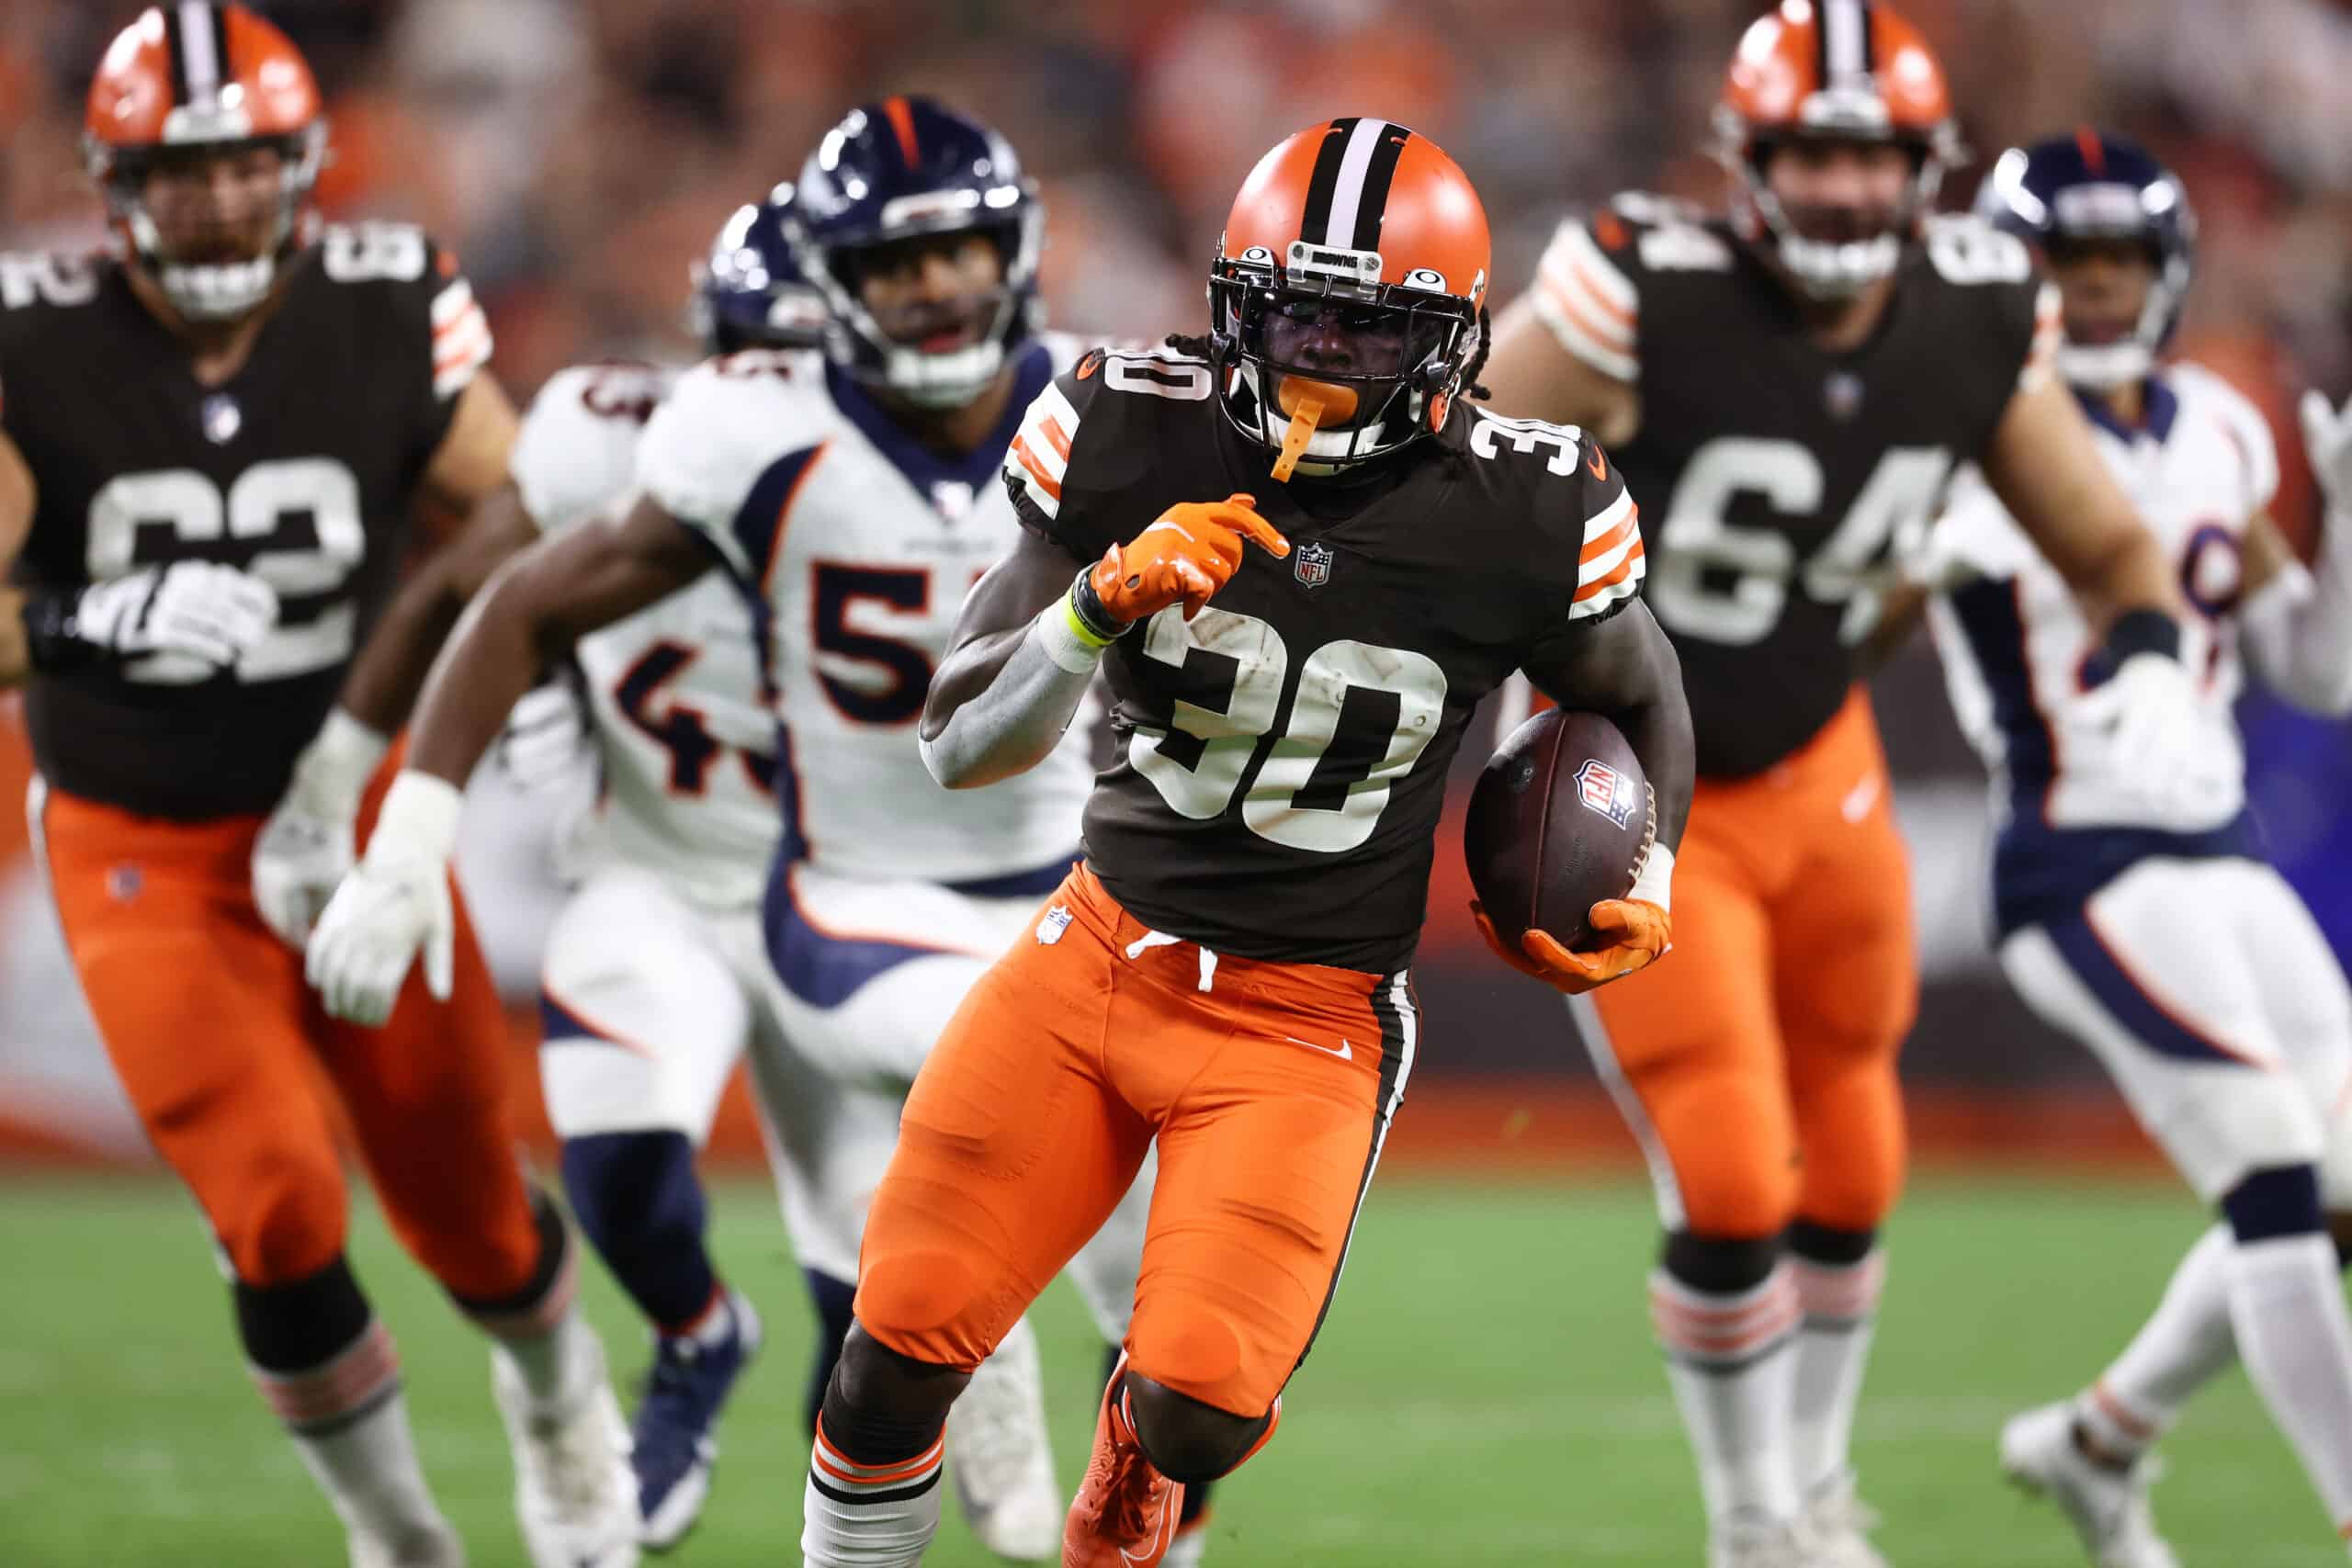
x: 1079, y: 629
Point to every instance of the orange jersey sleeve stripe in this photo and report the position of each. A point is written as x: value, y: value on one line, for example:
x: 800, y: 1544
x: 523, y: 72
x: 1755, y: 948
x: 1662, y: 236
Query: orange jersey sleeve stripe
x: 1600, y: 584
x: 1605, y: 333
x: 1611, y: 539
x: 1057, y: 439
x: 1045, y: 481
x: 1589, y: 287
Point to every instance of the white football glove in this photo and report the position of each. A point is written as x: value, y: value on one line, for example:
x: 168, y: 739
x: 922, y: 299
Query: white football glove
x: 194, y: 608
x: 306, y: 846
x: 2327, y: 440
x: 395, y: 902
x: 545, y: 737
x: 2149, y: 717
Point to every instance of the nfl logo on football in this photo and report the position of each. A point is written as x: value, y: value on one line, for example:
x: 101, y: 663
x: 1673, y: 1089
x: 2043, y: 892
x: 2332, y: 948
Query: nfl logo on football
x: 1312, y: 563
x: 1603, y: 789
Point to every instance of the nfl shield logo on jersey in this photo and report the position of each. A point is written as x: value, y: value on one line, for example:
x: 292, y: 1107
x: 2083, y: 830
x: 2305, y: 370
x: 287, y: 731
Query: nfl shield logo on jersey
x: 222, y: 419
x: 1603, y: 789
x: 1312, y: 564
x: 1841, y: 394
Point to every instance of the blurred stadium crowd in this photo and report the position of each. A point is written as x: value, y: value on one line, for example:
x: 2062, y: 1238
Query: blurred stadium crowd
x: 578, y: 154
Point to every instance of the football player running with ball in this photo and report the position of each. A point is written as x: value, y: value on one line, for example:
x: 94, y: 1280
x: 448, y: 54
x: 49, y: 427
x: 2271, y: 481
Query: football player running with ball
x: 1788, y: 390
x: 207, y: 510
x: 1293, y: 661
x: 812, y: 512
x: 2164, y: 941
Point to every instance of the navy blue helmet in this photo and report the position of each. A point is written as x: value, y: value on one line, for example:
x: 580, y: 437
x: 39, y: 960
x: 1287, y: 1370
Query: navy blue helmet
x: 899, y: 169
x: 749, y: 292
x: 2095, y: 185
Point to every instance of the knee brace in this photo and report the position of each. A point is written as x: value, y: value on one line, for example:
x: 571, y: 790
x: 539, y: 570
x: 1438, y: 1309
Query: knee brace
x: 303, y: 1323
x: 1719, y: 1266
x: 881, y: 1406
x: 1829, y: 1245
x: 2280, y: 1201
x: 1185, y: 1439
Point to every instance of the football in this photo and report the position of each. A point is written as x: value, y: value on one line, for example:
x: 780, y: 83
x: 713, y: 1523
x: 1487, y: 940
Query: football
x: 1559, y: 821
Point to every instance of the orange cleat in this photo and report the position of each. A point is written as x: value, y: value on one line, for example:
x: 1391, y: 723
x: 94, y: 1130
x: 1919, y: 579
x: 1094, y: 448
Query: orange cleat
x: 1124, y: 1515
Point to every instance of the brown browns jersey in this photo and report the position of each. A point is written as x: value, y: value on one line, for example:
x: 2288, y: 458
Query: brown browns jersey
x: 1781, y: 480
x: 300, y: 469
x: 1281, y: 757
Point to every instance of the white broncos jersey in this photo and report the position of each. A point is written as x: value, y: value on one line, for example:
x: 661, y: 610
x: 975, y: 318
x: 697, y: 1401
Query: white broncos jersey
x: 861, y: 546
x: 2017, y: 652
x: 682, y: 729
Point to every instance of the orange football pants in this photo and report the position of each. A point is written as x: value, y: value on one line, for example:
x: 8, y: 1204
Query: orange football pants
x: 1269, y: 1087
x: 1760, y: 1075
x: 234, y: 1066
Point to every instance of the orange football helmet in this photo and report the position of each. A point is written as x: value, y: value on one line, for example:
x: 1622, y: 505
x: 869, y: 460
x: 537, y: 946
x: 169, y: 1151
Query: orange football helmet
x: 187, y: 83
x: 1833, y: 69
x: 1353, y: 271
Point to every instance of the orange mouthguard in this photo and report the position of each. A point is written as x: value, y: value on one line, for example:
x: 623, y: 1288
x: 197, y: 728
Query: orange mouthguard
x: 1306, y: 403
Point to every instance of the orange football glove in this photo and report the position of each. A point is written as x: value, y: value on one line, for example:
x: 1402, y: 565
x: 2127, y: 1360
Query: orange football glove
x: 1187, y: 555
x: 1643, y: 932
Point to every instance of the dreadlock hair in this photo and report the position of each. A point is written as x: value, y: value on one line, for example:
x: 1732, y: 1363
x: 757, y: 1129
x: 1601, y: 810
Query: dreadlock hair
x: 1478, y: 360
x: 1192, y: 347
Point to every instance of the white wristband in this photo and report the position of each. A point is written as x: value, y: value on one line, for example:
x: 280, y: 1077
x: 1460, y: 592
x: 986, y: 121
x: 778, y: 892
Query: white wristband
x: 1061, y: 643
x: 340, y: 760
x: 419, y: 821
x: 1655, y: 883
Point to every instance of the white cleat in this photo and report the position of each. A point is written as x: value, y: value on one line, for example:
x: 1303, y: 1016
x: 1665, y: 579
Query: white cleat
x: 2108, y: 1508
x: 1836, y: 1527
x: 1000, y: 1458
x: 575, y: 1492
x: 437, y: 1547
x: 1746, y: 1542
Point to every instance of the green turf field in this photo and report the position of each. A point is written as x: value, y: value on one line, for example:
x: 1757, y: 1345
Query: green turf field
x: 1485, y: 1393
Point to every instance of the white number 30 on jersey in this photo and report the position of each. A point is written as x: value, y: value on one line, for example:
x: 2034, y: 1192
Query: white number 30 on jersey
x: 1224, y: 742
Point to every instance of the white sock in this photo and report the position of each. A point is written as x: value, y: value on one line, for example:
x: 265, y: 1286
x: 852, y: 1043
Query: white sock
x: 560, y: 1367
x: 1732, y: 1362
x: 2186, y: 1341
x: 864, y: 1515
x: 1840, y: 1307
x: 350, y: 1425
x: 2287, y: 1304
